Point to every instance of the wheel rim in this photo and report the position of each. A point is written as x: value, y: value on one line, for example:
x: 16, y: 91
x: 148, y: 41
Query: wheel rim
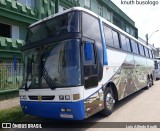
x: 148, y: 82
x: 109, y: 101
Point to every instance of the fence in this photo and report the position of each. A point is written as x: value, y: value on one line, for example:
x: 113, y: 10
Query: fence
x: 10, y: 76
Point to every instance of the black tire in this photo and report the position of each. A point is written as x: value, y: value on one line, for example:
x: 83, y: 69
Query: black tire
x: 109, y: 102
x: 148, y: 83
x: 151, y: 81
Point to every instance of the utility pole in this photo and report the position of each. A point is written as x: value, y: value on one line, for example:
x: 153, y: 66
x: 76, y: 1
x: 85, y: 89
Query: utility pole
x: 147, y: 38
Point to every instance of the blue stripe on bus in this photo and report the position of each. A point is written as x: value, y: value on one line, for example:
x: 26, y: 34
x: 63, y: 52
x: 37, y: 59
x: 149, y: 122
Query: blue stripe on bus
x: 53, y: 109
x: 105, y: 58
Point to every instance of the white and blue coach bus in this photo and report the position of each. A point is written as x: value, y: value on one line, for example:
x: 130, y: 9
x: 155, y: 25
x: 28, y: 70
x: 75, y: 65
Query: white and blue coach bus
x: 78, y: 64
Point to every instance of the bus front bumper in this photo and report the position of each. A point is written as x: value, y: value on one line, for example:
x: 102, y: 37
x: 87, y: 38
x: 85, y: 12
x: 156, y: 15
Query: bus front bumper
x: 55, y: 110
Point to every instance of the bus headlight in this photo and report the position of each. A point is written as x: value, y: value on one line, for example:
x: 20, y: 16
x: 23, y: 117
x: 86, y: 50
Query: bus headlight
x: 67, y: 97
x: 61, y: 97
x: 23, y: 97
x: 76, y: 96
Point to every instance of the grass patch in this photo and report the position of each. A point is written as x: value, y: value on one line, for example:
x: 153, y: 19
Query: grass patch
x: 14, y: 115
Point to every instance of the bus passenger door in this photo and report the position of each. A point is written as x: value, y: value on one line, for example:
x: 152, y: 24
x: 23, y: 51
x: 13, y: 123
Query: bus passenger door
x: 90, y: 65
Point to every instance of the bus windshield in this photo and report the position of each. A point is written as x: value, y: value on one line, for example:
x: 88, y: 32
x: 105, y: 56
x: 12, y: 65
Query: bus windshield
x: 54, y: 65
x: 59, y: 25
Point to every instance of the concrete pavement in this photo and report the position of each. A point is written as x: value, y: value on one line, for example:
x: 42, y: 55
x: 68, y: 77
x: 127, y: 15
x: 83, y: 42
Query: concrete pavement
x: 10, y: 103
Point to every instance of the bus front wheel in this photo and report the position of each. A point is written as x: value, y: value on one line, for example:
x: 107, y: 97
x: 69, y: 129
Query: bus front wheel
x: 109, y: 102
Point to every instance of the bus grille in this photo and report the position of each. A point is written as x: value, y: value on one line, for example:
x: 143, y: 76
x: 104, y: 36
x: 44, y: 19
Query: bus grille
x: 42, y: 97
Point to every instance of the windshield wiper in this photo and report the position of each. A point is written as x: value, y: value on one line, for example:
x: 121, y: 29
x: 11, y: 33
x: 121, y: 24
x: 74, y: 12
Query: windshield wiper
x: 46, y: 76
x: 27, y: 86
x: 29, y: 70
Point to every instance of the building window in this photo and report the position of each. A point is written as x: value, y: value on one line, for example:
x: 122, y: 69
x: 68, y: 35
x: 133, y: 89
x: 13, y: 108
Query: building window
x: 61, y: 8
x: 100, y: 10
x: 127, y: 29
x: 117, y: 21
x: 87, y: 3
x: 29, y: 3
x: 9, y: 31
x: 5, y: 30
x: 15, y: 32
x: 109, y: 16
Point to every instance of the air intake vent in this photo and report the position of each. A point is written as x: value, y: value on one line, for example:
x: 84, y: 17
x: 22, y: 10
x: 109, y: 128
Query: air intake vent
x: 41, y: 97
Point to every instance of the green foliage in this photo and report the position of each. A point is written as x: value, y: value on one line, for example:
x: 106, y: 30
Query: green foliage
x: 3, y: 77
x: 3, y: 73
x: 14, y: 115
x: 9, y: 115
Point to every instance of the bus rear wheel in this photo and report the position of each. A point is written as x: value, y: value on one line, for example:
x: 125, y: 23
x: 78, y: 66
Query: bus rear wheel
x: 109, y: 102
x: 149, y: 82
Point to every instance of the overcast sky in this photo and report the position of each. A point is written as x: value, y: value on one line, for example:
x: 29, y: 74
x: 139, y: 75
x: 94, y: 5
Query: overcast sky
x: 146, y: 18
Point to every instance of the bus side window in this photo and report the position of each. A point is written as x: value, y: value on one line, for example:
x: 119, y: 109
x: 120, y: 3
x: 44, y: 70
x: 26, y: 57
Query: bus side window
x: 128, y: 44
x: 141, y: 50
x: 150, y: 53
x: 156, y: 65
x: 90, y: 27
x: 108, y: 36
x: 138, y: 51
x: 115, y: 39
x: 124, y: 43
x: 134, y: 47
x: 146, y: 51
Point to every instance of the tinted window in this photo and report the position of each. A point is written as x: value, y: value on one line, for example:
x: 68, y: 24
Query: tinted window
x: 91, y: 27
x: 66, y: 23
x: 124, y: 43
x: 141, y: 49
x: 137, y: 48
x: 134, y: 47
x: 128, y: 44
x: 108, y: 36
x: 115, y: 39
x: 89, y: 56
x: 146, y: 51
x: 150, y: 53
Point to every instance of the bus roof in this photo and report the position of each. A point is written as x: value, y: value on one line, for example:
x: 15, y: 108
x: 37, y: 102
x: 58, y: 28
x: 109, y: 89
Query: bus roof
x: 94, y: 14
